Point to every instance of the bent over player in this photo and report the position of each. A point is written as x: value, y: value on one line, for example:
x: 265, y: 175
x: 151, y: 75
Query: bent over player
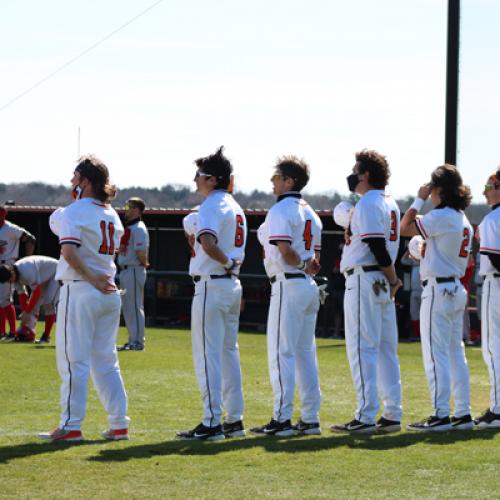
x: 219, y: 250
x: 38, y: 273
x: 372, y: 242
x: 133, y: 262
x: 489, y: 235
x: 88, y: 315
x: 10, y: 237
x: 291, y: 237
x: 447, y: 238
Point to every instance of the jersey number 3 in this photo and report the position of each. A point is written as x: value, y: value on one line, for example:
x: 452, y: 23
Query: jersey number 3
x: 108, y: 231
x: 239, y: 235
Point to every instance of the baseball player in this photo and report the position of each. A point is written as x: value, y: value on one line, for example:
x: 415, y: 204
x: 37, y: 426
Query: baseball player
x: 218, y: 253
x: 133, y: 262
x: 10, y: 236
x: 36, y: 272
x: 415, y: 289
x: 489, y: 234
x: 372, y: 242
x: 448, y: 238
x: 89, y: 233
x: 291, y: 238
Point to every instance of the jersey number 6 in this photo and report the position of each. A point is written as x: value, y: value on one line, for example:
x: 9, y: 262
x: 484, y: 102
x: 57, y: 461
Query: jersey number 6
x: 108, y: 231
x: 239, y: 235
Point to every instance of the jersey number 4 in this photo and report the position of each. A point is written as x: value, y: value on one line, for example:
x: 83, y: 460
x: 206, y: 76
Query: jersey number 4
x: 108, y: 231
x: 464, y: 249
x: 307, y: 235
x: 239, y: 235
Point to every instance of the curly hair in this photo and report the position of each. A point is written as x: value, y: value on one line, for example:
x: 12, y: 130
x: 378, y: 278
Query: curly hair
x: 218, y: 166
x: 93, y: 169
x: 295, y: 168
x: 454, y: 193
x: 376, y: 165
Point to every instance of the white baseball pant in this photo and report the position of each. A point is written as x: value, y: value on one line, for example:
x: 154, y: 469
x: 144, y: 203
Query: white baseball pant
x: 291, y: 346
x: 215, y: 313
x: 441, y: 326
x: 86, y: 330
x: 372, y: 340
x: 490, y: 336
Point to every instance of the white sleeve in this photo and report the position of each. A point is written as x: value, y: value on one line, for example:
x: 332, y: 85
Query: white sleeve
x: 371, y: 221
x: 431, y: 224
x: 280, y: 227
x: 70, y: 227
x: 208, y: 222
x: 489, y: 234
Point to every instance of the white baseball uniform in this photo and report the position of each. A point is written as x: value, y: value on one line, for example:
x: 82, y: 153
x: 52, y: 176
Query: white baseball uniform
x: 133, y: 278
x: 448, y: 239
x: 215, y: 309
x: 291, y: 324
x: 88, y: 320
x: 10, y: 236
x: 489, y: 234
x: 370, y: 316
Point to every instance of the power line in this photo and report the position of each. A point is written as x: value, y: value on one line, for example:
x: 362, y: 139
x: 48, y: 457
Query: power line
x: 81, y: 54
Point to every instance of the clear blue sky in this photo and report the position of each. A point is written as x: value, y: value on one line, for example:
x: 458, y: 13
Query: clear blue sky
x: 319, y: 78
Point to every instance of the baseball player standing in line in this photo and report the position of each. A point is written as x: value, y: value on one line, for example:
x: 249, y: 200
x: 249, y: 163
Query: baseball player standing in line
x: 10, y: 236
x: 133, y: 262
x: 291, y: 237
x: 448, y: 239
x: 489, y: 234
x: 371, y: 248
x: 219, y: 250
x: 38, y: 273
x: 88, y: 314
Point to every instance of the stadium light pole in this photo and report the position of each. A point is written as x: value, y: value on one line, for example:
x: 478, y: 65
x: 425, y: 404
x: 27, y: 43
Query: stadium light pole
x: 452, y: 70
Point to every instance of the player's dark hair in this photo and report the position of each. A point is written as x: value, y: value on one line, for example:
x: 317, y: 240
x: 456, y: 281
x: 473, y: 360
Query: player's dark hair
x: 376, y: 165
x: 5, y: 273
x: 3, y: 208
x: 454, y: 193
x: 93, y: 169
x: 294, y: 168
x: 136, y: 202
x: 218, y: 166
x: 495, y: 176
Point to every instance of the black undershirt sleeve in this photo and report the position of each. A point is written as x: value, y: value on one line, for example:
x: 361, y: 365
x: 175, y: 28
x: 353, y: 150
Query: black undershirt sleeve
x: 494, y: 259
x: 379, y: 250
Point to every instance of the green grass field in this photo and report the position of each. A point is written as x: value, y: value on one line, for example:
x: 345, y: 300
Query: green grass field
x: 164, y: 398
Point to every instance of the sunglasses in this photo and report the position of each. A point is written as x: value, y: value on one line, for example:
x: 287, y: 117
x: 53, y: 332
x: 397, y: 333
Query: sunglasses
x: 490, y: 187
x: 277, y: 175
x: 201, y: 174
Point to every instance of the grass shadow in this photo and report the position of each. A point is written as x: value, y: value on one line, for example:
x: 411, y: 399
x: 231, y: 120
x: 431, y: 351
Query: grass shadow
x: 288, y: 445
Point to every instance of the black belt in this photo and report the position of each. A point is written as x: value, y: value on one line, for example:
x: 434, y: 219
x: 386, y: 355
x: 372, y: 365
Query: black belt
x: 496, y: 275
x: 213, y: 277
x: 61, y: 282
x: 366, y: 269
x: 449, y: 279
x: 289, y: 276
x: 121, y: 268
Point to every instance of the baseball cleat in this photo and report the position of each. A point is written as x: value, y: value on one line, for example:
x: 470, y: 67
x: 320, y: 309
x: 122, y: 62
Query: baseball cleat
x: 44, y: 339
x: 137, y: 347
x: 10, y: 337
x: 275, y: 428
x: 462, y: 423
x: 115, y: 434
x: 62, y: 435
x: 307, y: 428
x: 233, y: 429
x: 387, y: 426
x: 354, y: 427
x: 488, y: 420
x: 202, y: 432
x: 431, y: 424
x: 124, y: 347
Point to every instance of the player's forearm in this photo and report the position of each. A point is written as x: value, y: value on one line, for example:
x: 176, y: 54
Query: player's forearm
x: 290, y: 256
x: 70, y: 254
x: 143, y: 257
x: 407, y: 226
x: 390, y: 273
x: 212, y: 249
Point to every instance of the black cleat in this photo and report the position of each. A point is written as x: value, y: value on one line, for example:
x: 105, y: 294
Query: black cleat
x: 431, y: 424
x: 202, y: 432
x: 488, y: 420
x: 462, y: 423
x: 387, y: 426
x: 275, y: 428
x: 233, y: 429
x: 307, y: 429
x: 354, y: 427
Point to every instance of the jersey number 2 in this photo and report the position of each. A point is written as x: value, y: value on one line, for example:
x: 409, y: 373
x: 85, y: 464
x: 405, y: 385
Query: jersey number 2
x: 239, y: 235
x: 307, y: 235
x: 464, y: 249
x: 108, y: 231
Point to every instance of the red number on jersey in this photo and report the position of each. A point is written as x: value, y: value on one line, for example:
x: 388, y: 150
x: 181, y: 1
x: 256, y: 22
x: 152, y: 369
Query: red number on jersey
x: 108, y: 232
x: 239, y: 235
x: 307, y: 235
x: 464, y: 249
x: 394, y: 226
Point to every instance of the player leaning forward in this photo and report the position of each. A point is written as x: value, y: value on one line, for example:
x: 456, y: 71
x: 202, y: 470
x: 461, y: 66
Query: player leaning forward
x: 489, y: 234
x: 447, y: 238
x: 88, y: 313
x: 372, y: 242
x: 218, y: 253
x: 291, y: 237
